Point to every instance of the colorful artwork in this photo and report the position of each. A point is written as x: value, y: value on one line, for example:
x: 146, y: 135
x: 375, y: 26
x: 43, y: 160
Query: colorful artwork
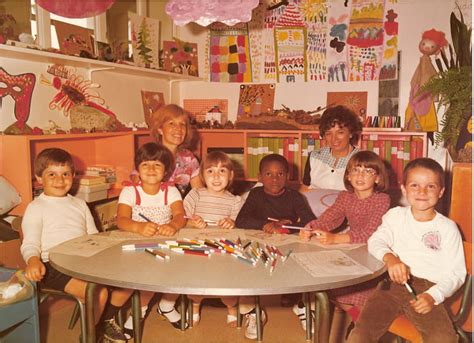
x: 389, y: 95
x: 389, y: 68
x: 256, y: 99
x: 199, y: 107
x: 229, y: 53
x: 269, y: 61
x: 145, y: 33
x: 336, y: 54
x: 356, y: 101
x: 104, y: 52
x: 290, y: 49
x: 74, y: 40
x: 256, y: 37
x: 20, y: 88
x: 180, y: 57
x: 151, y: 101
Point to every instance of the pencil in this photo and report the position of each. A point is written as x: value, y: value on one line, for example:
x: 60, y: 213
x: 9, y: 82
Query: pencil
x: 145, y: 217
x: 295, y: 227
x: 410, y: 290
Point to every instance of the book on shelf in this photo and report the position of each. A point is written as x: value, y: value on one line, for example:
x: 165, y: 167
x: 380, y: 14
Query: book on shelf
x: 89, y: 179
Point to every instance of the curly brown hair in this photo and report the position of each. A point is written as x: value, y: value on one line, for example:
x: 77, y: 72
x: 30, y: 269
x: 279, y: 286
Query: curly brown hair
x: 342, y: 117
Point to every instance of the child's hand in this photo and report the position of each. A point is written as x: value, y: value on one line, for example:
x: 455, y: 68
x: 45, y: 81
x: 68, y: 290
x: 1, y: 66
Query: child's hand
x: 423, y: 304
x: 167, y: 230
x: 271, y: 227
x: 197, y: 222
x: 325, y: 237
x: 226, y: 223
x: 147, y: 229
x: 397, y: 270
x: 35, y: 269
x: 305, y: 235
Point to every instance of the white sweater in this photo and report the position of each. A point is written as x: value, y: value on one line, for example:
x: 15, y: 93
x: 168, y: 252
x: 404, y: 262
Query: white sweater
x: 49, y: 221
x: 433, y: 250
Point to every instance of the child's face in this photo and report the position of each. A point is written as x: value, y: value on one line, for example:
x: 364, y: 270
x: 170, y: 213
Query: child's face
x: 363, y: 180
x: 217, y: 178
x: 273, y: 176
x: 422, y: 190
x: 151, y: 172
x: 173, y: 131
x: 56, y: 180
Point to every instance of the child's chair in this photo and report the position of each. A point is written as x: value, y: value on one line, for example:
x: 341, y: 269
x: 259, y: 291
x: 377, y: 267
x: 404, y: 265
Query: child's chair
x: 460, y: 305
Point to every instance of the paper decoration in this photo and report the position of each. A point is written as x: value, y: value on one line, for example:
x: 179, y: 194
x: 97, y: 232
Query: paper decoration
x: 152, y: 102
x: 180, y: 57
x: 75, y: 8
x: 256, y: 37
x: 104, y: 52
x: 355, y: 101
x: 389, y: 95
x: 145, y: 33
x: 205, y: 12
x: 389, y: 68
x: 336, y: 55
x: 74, y: 39
x: 256, y: 99
x: 199, y: 107
x: 271, y: 17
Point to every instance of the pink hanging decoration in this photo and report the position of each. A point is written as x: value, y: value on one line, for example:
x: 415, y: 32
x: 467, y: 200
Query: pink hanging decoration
x: 205, y: 12
x: 76, y: 8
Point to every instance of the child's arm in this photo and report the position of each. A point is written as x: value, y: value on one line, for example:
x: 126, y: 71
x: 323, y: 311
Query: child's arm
x: 197, y: 222
x: 35, y: 269
x: 176, y: 223
x: 398, y: 271
x: 125, y: 222
x: 189, y: 204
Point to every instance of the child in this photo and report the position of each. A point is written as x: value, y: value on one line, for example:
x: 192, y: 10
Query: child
x: 214, y: 203
x: 268, y: 208
x: 153, y: 207
x: 53, y: 218
x: 422, y: 250
x: 363, y: 205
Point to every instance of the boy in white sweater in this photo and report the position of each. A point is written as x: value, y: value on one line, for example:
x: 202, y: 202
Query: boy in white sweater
x: 423, y: 252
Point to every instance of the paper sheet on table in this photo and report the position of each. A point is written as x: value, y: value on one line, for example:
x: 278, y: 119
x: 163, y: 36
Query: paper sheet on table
x: 341, y: 246
x: 329, y: 263
x: 211, y: 233
x: 86, y: 246
x: 269, y: 238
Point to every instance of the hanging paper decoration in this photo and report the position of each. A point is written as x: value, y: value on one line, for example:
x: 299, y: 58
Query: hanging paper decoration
x: 180, y: 57
x: 256, y: 37
x: 205, y: 12
x: 269, y: 66
x: 336, y: 55
x: 20, y: 88
x: 389, y: 68
x: 145, y: 33
x: 75, y: 8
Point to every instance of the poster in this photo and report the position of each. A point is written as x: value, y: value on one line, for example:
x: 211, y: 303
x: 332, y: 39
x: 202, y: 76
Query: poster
x: 151, y: 101
x: 355, y: 101
x: 145, y: 34
x: 256, y: 99
x: 180, y: 57
x: 74, y: 39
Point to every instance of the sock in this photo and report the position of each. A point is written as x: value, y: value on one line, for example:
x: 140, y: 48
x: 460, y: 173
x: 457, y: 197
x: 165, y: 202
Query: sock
x: 109, y: 312
x: 129, y: 323
x: 168, y: 306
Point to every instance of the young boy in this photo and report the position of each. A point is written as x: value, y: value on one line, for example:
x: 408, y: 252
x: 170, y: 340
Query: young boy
x: 268, y: 208
x: 273, y: 205
x: 55, y: 217
x: 423, y: 252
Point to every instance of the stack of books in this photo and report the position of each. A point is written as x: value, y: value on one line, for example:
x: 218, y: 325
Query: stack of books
x: 91, y: 188
x: 106, y: 171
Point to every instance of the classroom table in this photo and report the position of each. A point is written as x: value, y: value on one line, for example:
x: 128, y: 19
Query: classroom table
x: 217, y: 275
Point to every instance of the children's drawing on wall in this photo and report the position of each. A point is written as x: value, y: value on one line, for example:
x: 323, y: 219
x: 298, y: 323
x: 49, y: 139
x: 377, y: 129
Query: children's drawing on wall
x: 151, y: 101
x: 336, y: 56
x: 365, y: 40
x: 356, y: 101
x: 256, y: 37
x: 204, y: 109
x: 145, y: 33
x: 389, y: 68
x: 269, y: 67
x: 389, y: 95
x: 75, y: 40
x: 180, y: 57
x: 229, y: 53
x: 256, y: 99
x: 20, y: 89
x: 420, y: 114
x: 290, y: 49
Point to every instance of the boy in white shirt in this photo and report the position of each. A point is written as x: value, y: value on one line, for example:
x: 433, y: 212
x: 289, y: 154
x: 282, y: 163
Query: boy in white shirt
x: 423, y: 252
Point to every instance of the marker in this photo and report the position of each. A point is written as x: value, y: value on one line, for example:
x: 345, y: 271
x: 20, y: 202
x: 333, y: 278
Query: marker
x: 246, y: 245
x: 240, y: 258
x: 273, y: 219
x: 210, y: 222
x: 283, y: 259
x: 272, y: 268
x: 410, y: 290
x: 140, y: 246
x: 295, y: 227
x: 145, y: 217
x: 158, y: 254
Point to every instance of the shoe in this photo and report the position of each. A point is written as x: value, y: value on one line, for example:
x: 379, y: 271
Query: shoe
x: 111, y: 332
x: 251, y: 324
x: 177, y: 324
x: 231, y: 320
x: 300, y: 311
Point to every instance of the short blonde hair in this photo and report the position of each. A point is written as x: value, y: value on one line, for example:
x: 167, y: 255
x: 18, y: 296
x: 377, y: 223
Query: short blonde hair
x: 213, y: 159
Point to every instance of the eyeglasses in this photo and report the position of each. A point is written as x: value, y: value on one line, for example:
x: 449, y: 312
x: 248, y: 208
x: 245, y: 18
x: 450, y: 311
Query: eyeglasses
x: 363, y: 171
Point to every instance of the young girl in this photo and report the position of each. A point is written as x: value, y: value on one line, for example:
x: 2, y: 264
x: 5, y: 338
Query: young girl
x: 214, y: 204
x: 363, y: 204
x: 153, y: 207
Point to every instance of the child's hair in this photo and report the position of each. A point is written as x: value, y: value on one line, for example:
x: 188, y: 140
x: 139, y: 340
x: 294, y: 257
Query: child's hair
x: 155, y: 152
x: 342, y: 117
x: 426, y: 163
x: 52, y: 156
x: 213, y: 159
x: 368, y: 159
x: 168, y: 112
x: 273, y: 158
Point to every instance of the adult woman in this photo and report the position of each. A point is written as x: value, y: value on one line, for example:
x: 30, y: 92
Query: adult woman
x: 340, y: 128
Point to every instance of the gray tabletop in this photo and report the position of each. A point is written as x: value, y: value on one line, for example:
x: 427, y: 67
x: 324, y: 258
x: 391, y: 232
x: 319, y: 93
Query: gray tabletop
x: 219, y: 275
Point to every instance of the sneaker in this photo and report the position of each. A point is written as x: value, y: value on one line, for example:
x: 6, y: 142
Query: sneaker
x: 300, y: 311
x: 251, y: 324
x: 112, y: 332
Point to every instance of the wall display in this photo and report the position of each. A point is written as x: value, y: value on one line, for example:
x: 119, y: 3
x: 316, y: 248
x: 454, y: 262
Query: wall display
x: 336, y: 55
x: 104, y: 52
x: 180, y: 57
x: 200, y: 107
x: 389, y: 94
x: 256, y: 99
x: 145, y: 33
x: 256, y: 37
x: 151, y: 101
x: 271, y: 17
x: 74, y: 40
x: 389, y: 66
x: 76, y: 9
x: 356, y: 101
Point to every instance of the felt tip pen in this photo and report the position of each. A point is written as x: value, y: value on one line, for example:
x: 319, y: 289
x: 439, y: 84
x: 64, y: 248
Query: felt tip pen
x: 246, y: 245
x: 241, y: 258
x: 272, y: 268
x: 410, y: 290
x: 140, y: 246
x: 145, y: 217
x: 273, y: 219
x: 207, y: 221
x: 285, y: 258
x: 295, y: 227
x: 158, y: 254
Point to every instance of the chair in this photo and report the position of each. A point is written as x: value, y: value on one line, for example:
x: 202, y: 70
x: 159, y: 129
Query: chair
x: 459, y: 304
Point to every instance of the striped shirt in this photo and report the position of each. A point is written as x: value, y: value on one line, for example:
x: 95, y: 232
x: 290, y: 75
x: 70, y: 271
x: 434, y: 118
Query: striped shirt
x: 201, y: 202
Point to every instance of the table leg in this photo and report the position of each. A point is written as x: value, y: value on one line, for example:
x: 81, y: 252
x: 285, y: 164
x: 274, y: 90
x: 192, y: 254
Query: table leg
x: 321, y: 333
x: 190, y: 313
x: 309, y: 322
x: 137, y: 314
x: 239, y: 316
x: 90, y: 320
x: 258, y: 312
x: 182, y: 307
